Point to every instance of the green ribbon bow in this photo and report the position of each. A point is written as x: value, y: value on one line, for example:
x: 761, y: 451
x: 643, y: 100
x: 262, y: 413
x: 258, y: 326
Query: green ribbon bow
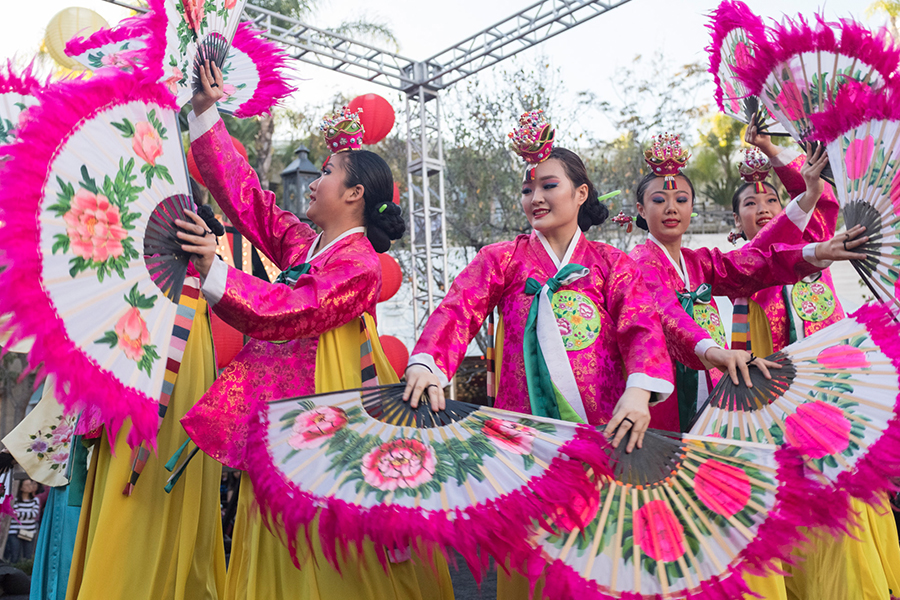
x: 687, y: 380
x: 291, y: 276
x: 546, y: 400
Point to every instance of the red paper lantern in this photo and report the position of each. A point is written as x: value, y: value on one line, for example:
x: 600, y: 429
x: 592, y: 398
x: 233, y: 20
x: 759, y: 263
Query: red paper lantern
x: 396, y: 353
x: 192, y: 165
x: 391, y: 277
x: 227, y: 340
x: 396, y: 197
x: 377, y: 116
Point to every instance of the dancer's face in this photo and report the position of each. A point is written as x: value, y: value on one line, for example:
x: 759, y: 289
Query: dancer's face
x: 756, y: 210
x: 327, y: 193
x: 667, y: 212
x: 551, y: 201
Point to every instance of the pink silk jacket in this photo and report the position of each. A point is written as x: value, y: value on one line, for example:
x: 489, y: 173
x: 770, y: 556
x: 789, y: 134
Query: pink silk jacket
x: 629, y: 341
x: 344, y: 282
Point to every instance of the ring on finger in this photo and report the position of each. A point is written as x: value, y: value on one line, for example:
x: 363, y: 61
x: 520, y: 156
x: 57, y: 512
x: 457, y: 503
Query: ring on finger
x: 212, y: 85
x: 752, y: 358
x: 627, y: 419
x: 431, y: 385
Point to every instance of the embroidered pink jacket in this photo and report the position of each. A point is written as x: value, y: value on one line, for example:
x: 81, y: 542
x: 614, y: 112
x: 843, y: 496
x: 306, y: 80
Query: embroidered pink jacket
x: 343, y: 283
x: 630, y: 342
x: 821, y: 227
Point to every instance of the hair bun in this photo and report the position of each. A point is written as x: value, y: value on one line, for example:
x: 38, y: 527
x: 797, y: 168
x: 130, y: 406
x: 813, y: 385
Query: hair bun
x: 592, y: 212
x: 385, y: 223
x: 641, y: 223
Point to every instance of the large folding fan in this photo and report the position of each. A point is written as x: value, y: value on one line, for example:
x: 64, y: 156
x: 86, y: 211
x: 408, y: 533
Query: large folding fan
x: 834, y: 400
x: 90, y: 193
x: 736, y: 33
x: 18, y: 91
x: 684, y: 516
x: 862, y: 130
x: 803, y: 67
x: 469, y: 476
x: 252, y: 66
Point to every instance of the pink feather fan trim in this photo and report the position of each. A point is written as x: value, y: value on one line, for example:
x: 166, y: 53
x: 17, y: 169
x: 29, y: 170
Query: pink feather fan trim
x: 855, y: 104
x: 728, y: 16
x: 271, y: 63
x: 81, y: 383
x: 845, y: 37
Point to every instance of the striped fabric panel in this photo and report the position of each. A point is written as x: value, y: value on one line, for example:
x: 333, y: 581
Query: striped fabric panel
x: 489, y: 355
x: 181, y: 329
x: 366, y: 356
x: 740, y: 325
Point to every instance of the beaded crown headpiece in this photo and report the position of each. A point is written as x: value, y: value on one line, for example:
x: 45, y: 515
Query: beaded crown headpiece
x: 666, y: 157
x: 754, y: 167
x: 343, y: 130
x: 532, y: 139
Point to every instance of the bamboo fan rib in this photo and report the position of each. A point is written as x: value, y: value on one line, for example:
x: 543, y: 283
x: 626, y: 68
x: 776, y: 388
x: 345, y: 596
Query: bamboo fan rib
x: 833, y: 400
x: 678, y: 516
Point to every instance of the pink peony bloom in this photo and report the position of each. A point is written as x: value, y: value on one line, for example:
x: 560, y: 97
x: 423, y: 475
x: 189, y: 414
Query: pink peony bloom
x: 564, y: 327
x: 791, y: 101
x: 172, y: 81
x: 114, y: 59
x: 731, y: 97
x: 229, y: 4
x: 658, y: 532
x: 843, y: 356
x: 400, y: 463
x: 193, y: 13
x: 59, y: 458
x: 313, y: 427
x: 38, y: 446
x: 723, y: 488
x: 817, y: 288
x: 818, y: 429
x: 228, y: 89
x: 894, y: 192
x: 146, y: 143
x: 741, y: 55
x: 586, y: 310
x: 133, y: 333
x: 808, y: 307
x: 714, y: 319
x: 584, y: 509
x: 859, y: 156
x: 94, y: 228
x: 509, y: 436
x: 63, y: 433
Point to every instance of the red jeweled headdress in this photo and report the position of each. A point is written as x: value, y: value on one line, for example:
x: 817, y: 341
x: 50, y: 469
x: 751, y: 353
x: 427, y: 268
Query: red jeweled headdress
x: 343, y: 130
x: 754, y: 167
x: 533, y: 139
x: 666, y: 158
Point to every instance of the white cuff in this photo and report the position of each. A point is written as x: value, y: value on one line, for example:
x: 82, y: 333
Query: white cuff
x: 660, y: 387
x: 198, y: 125
x: 701, y: 348
x: 428, y: 361
x: 784, y: 158
x: 796, y: 214
x: 213, y: 287
x: 809, y: 253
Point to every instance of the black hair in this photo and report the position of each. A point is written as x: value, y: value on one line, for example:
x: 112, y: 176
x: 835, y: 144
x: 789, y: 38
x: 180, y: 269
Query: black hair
x: 642, y: 188
x: 592, y: 211
x: 382, y: 217
x: 736, y: 199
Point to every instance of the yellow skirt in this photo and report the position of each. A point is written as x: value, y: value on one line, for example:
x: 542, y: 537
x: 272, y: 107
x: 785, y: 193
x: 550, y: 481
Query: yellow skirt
x: 261, y: 568
x: 862, y: 567
x: 153, y: 545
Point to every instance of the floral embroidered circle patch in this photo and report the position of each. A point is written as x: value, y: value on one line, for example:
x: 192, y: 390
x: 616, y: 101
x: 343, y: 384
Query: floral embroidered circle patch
x: 578, y: 319
x: 707, y: 317
x: 813, y: 301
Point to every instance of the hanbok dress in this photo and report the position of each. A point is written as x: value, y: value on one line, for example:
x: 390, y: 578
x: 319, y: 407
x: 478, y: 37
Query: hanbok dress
x: 305, y: 339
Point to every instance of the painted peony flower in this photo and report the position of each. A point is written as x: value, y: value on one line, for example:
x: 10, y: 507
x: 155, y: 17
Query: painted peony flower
x: 585, y: 509
x: 859, y: 156
x: 843, y: 356
x: 723, y: 488
x: 63, y: 433
x: 59, y: 458
x: 741, y: 55
x: 400, y: 463
x: 818, y: 429
x: 564, y: 327
x: 586, y: 310
x: 731, y: 97
x: 193, y: 13
x: 509, y: 436
x: 94, y: 228
x: 113, y: 59
x: 790, y: 101
x: 817, y: 288
x: 172, y: 81
x: 314, y: 427
x: 229, y: 4
x: 146, y: 142
x: 808, y: 307
x: 658, y: 532
x: 228, y: 89
x: 39, y: 446
x: 133, y: 333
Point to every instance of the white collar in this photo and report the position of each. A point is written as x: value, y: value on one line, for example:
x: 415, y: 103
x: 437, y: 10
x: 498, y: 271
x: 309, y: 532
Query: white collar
x: 311, y: 253
x: 569, y: 251
x: 682, y: 269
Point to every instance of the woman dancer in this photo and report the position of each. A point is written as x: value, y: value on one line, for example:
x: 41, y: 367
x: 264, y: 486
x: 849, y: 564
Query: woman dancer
x: 305, y: 332
x: 580, y: 337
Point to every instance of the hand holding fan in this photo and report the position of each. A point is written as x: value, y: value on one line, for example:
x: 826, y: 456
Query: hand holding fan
x: 684, y: 516
x: 91, y: 187
x: 736, y: 34
x: 802, y: 68
x: 862, y: 130
x: 370, y: 466
x: 834, y: 400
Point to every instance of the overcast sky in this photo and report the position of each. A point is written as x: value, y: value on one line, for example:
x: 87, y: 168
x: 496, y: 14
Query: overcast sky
x: 587, y: 56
